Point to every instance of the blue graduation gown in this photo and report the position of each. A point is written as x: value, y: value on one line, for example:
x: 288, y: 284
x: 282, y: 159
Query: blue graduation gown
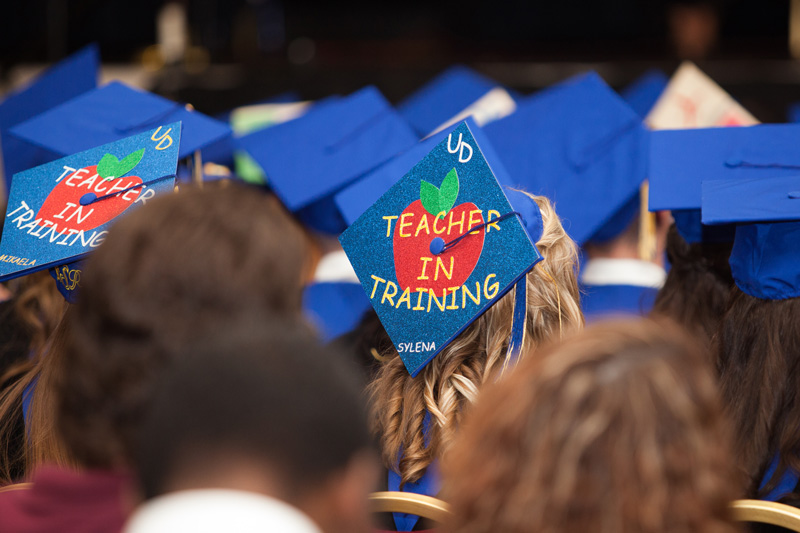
x: 603, y: 300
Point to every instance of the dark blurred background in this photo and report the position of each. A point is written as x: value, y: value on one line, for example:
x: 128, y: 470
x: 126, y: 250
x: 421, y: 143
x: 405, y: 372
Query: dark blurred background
x: 218, y: 54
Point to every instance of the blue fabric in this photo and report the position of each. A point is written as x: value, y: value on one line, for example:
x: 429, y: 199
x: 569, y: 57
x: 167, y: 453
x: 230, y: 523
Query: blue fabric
x: 309, y: 159
x: 67, y: 79
x: 644, y: 92
x: 444, y: 97
x: 785, y: 485
x: 27, y: 398
x: 335, y: 308
x: 111, y: 113
x: 765, y: 260
x: 601, y: 301
x: 682, y: 160
x: 579, y: 144
x: 689, y: 226
x: 429, y: 484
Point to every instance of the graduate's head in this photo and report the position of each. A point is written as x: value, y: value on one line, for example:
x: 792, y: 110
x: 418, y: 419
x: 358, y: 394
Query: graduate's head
x: 695, y: 293
x: 759, y: 338
x: 617, y: 429
x: 262, y: 407
x: 452, y: 379
x: 180, y: 266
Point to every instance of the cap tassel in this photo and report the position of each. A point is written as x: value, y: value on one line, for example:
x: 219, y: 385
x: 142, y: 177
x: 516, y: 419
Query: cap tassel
x: 648, y: 244
x: 518, y: 323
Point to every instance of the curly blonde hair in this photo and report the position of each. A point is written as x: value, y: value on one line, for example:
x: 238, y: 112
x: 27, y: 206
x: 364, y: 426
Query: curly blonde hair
x: 451, y: 381
x: 618, y: 429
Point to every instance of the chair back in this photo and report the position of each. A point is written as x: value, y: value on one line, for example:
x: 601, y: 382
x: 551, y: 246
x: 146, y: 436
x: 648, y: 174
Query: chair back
x: 763, y: 512
x: 410, y: 503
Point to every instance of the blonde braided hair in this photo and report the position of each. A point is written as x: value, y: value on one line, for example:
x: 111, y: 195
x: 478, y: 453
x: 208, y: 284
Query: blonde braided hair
x: 452, y: 380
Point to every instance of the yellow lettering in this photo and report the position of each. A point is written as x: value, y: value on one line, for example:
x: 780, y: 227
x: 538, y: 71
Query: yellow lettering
x: 460, y: 223
x: 465, y: 292
x: 475, y: 221
x: 489, y: 217
x: 388, y: 220
x: 162, y: 139
x: 448, y: 275
x: 386, y: 295
x: 419, y: 307
x: 435, y: 220
x: 432, y: 297
x: 405, y: 297
x: 423, y: 224
x: 375, y: 287
x: 490, y: 291
x: 453, y: 304
x: 404, y: 224
x: 425, y: 261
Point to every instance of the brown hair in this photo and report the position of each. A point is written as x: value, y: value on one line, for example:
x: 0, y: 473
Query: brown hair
x: 616, y: 430
x: 695, y: 293
x: 27, y: 443
x: 759, y: 367
x: 174, y: 269
x: 453, y: 378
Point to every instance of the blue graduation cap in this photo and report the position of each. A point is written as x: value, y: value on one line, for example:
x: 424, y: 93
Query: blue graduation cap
x: 335, y: 308
x: 111, y: 113
x: 443, y: 97
x: 67, y: 79
x: 309, y: 159
x: 765, y: 259
x: 681, y: 160
x: 68, y: 279
x: 357, y: 197
x: 60, y: 211
x: 440, y: 247
x: 644, y: 91
x: 582, y: 146
x: 794, y: 112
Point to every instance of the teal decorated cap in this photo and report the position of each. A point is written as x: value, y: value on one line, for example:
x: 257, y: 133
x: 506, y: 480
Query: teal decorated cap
x: 441, y: 246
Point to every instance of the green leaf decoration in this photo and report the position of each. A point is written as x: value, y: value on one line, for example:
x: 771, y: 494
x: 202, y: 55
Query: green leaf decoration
x: 448, y: 192
x: 110, y: 167
x: 429, y: 195
x: 438, y: 200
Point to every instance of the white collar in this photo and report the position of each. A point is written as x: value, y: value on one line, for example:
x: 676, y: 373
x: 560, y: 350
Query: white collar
x: 335, y: 267
x: 633, y: 272
x: 215, y: 510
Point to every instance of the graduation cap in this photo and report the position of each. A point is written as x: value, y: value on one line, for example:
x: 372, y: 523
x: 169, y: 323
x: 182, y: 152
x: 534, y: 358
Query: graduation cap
x: 360, y: 195
x: 71, y: 77
x: 765, y: 259
x: 441, y: 246
x: 68, y: 279
x: 582, y: 146
x: 311, y: 158
x: 111, y: 113
x: 693, y: 100
x: 335, y: 307
x: 443, y: 98
x: 644, y: 91
x: 60, y: 211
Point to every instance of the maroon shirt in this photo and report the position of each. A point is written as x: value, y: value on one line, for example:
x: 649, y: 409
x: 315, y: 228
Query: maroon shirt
x: 62, y: 500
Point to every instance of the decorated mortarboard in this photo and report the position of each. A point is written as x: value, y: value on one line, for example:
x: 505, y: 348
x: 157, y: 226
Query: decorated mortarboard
x: 60, y: 211
x: 440, y: 247
x: 693, y: 100
x: 67, y: 79
x: 582, y: 146
x: 765, y: 259
x: 311, y: 158
x: 444, y: 97
x: 360, y: 195
x: 644, y: 91
x: 113, y: 112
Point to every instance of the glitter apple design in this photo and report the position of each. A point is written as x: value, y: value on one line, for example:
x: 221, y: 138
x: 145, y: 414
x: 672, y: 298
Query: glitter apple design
x: 415, y: 265
x: 64, y: 209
